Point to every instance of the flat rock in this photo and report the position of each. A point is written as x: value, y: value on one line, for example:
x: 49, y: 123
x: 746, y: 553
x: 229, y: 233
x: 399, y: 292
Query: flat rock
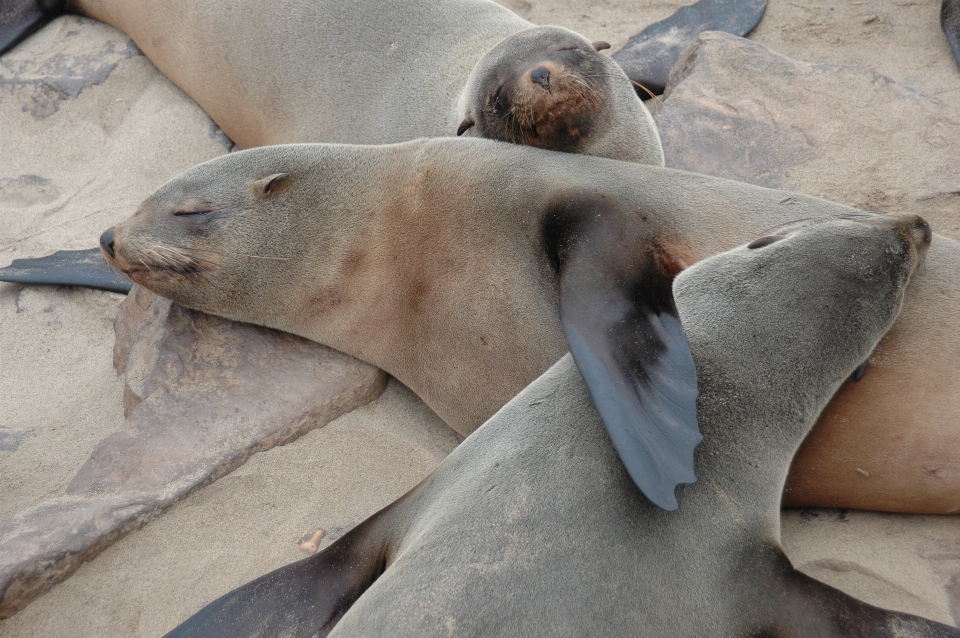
x: 737, y: 109
x: 202, y: 395
x: 44, y: 544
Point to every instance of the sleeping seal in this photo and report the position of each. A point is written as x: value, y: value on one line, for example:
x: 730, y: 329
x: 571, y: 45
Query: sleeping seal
x: 368, y: 72
x: 440, y: 261
x: 531, y: 528
x: 375, y: 72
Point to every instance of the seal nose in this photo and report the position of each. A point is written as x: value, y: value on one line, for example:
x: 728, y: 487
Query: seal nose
x: 541, y: 76
x: 926, y: 231
x: 106, y: 242
x: 919, y: 230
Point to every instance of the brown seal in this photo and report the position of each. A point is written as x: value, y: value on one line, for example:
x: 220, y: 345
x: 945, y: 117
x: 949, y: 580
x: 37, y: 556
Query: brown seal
x: 430, y: 260
x: 534, y: 517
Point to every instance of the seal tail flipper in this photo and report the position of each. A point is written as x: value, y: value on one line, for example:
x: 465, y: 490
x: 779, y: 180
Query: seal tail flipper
x: 950, y: 22
x: 305, y: 598
x: 650, y: 55
x: 85, y: 268
x: 624, y: 333
x: 20, y: 18
x: 811, y: 608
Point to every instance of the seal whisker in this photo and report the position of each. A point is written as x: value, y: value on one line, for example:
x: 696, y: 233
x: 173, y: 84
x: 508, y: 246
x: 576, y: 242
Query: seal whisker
x: 177, y: 261
x: 193, y: 250
x: 266, y: 257
x: 192, y: 257
x: 188, y: 258
x: 631, y: 81
x: 163, y: 259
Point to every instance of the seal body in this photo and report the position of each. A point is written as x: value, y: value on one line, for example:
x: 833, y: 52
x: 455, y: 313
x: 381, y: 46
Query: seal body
x: 531, y: 527
x: 430, y: 260
x: 374, y: 72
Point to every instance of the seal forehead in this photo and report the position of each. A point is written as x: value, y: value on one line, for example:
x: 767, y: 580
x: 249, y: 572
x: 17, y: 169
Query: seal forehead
x: 537, y: 39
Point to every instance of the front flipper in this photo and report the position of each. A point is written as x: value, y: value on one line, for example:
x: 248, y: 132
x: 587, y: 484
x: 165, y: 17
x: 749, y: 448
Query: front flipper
x: 306, y: 598
x: 85, y: 268
x: 623, y: 330
x: 20, y: 18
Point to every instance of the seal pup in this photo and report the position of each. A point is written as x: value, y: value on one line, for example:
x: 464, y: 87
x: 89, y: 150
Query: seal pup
x: 530, y: 527
x: 429, y: 259
x: 374, y: 72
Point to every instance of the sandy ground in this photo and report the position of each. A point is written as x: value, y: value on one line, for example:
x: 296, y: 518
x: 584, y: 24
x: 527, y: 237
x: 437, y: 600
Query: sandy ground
x: 99, y: 154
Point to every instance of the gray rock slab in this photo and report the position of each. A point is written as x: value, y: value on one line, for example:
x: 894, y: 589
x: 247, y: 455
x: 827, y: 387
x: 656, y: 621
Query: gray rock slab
x: 203, y: 394
x: 737, y: 109
x: 46, y: 543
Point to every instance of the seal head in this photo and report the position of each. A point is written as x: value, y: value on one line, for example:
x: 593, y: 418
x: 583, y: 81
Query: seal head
x: 551, y: 88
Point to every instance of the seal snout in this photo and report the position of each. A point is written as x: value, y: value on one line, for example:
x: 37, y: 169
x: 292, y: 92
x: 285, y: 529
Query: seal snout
x: 541, y: 77
x: 926, y: 233
x: 106, y: 242
x: 916, y: 230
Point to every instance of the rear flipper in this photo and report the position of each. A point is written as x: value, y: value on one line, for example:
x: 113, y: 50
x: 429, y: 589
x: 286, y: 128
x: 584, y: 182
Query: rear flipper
x: 811, y: 608
x: 950, y: 21
x: 86, y: 268
x: 648, y: 57
x: 306, y: 598
x: 20, y: 18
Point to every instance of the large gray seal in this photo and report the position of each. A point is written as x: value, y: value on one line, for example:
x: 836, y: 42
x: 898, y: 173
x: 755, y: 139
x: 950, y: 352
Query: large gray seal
x: 531, y: 527
x: 374, y: 72
x: 445, y: 262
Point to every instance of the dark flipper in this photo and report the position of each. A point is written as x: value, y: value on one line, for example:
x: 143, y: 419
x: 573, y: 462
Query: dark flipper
x: 950, y: 21
x: 648, y: 57
x: 306, y: 598
x: 20, y: 18
x: 621, y: 324
x: 86, y: 268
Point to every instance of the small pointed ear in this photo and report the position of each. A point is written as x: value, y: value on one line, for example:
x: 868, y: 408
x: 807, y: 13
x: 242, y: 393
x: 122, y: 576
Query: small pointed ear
x: 266, y: 185
x: 623, y: 329
x: 467, y: 123
x: 600, y: 45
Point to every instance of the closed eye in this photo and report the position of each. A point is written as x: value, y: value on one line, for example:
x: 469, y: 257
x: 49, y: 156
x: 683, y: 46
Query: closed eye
x: 192, y: 213
x: 496, y: 96
x: 764, y: 241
